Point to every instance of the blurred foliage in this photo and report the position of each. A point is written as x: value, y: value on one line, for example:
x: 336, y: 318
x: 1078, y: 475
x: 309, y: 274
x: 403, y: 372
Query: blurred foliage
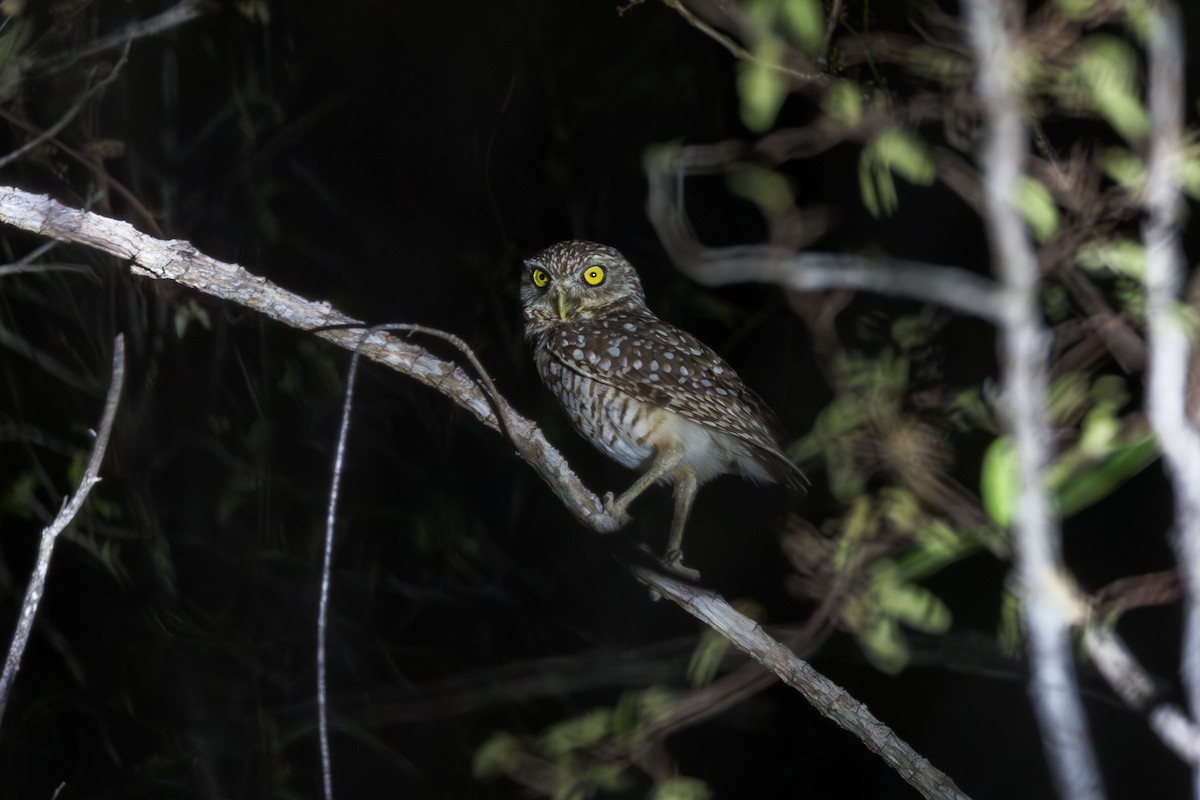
x: 588, y: 755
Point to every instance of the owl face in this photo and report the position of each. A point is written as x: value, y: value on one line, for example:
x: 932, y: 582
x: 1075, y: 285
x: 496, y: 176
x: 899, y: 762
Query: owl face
x: 576, y: 281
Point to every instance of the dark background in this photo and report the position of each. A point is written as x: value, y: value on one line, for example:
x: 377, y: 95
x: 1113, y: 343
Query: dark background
x: 398, y: 160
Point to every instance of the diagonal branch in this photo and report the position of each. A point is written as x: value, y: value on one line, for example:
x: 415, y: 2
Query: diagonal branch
x: 180, y: 262
x: 37, y: 582
x: 831, y: 700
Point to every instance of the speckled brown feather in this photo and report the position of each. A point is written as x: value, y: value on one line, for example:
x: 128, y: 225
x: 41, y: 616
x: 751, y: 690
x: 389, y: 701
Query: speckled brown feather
x: 615, y: 340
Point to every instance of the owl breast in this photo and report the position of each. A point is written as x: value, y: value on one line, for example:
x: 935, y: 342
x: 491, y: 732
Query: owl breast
x: 629, y: 430
x: 620, y: 426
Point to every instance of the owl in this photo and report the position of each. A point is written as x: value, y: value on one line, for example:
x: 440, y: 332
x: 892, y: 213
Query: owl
x: 646, y: 394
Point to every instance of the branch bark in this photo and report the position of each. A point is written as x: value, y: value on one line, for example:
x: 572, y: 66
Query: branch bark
x: 1049, y: 598
x: 1170, y: 348
x: 41, y: 570
x: 179, y: 261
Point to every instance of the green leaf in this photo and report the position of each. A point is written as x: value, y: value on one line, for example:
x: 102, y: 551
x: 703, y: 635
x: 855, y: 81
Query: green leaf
x: 761, y: 87
x: 1037, y: 207
x: 765, y: 188
x: 843, y: 102
x: 681, y: 787
x: 998, y: 482
x: 582, y: 731
x: 1093, y: 484
x: 1123, y: 167
x: 883, y: 644
x: 905, y: 155
x: 1108, y: 69
x: 892, y: 151
x: 499, y: 755
x: 917, y: 607
x: 1121, y: 256
x: 1076, y: 9
x: 805, y: 21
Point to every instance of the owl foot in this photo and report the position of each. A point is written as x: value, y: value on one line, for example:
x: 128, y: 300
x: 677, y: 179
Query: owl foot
x: 610, y: 507
x: 674, y: 562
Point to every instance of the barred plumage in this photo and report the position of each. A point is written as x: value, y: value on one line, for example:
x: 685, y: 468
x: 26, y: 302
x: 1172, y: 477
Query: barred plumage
x: 647, y: 394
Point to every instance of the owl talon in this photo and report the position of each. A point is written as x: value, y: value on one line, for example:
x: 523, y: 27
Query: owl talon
x: 610, y: 507
x: 674, y: 562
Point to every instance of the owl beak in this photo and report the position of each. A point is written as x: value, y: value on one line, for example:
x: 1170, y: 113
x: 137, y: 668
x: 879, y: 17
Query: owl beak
x: 564, y: 306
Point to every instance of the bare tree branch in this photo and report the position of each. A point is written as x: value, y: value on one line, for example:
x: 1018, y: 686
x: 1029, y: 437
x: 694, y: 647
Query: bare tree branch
x: 179, y: 261
x: 1170, y: 351
x: 1048, y: 596
x: 37, y: 582
x: 667, y: 168
x: 826, y: 696
x: 1135, y: 686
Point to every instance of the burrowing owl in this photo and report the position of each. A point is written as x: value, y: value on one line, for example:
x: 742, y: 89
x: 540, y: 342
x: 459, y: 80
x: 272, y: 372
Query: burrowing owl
x: 647, y: 394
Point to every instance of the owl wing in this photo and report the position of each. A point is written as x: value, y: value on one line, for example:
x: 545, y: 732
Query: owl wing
x: 663, y: 366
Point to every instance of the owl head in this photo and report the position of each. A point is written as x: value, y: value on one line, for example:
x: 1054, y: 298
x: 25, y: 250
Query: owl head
x: 576, y: 281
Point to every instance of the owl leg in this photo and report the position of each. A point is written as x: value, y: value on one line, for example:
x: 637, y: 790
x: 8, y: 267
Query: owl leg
x: 665, y: 460
x: 686, y: 484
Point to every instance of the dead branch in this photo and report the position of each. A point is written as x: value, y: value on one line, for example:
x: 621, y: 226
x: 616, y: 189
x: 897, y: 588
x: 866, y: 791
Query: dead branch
x: 37, y: 582
x: 180, y: 262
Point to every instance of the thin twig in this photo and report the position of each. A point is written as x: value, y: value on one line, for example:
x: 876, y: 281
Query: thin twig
x: 740, y: 52
x: 178, y: 14
x: 1170, y: 352
x: 37, y: 582
x: 70, y: 113
x: 339, y: 460
x: 1049, y: 600
x: 502, y: 412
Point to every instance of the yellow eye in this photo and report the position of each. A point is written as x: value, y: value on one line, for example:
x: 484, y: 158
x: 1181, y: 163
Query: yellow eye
x: 594, y: 275
x: 540, y: 278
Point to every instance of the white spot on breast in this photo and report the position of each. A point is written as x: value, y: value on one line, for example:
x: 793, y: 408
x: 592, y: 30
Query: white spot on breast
x: 706, y: 383
x: 577, y: 354
x: 669, y: 355
x: 637, y: 363
x: 629, y: 326
x: 591, y: 357
x: 653, y: 376
x: 654, y: 366
x: 606, y: 365
x: 717, y: 370
x: 614, y: 351
x: 683, y: 370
